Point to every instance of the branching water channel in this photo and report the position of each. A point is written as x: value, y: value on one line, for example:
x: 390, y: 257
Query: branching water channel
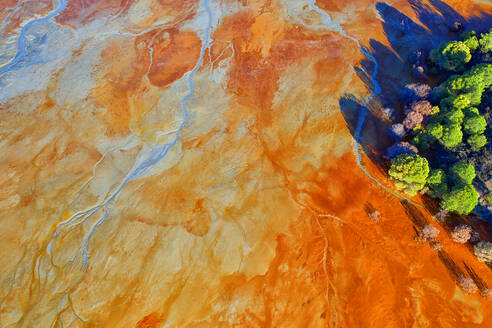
x: 148, y: 158
x: 23, y: 41
x: 153, y: 154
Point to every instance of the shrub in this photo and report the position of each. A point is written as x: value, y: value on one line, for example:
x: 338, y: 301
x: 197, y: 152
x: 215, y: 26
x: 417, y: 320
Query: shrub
x: 437, y: 182
x: 483, y: 251
x: 476, y: 141
x: 397, y: 131
x: 375, y: 216
x: 462, y: 199
x: 462, y: 173
x: 451, y: 56
x: 430, y: 232
x: 451, y: 135
x: 388, y: 114
x: 474, y: 124
x: 422, y: 106
x: 410, y: 172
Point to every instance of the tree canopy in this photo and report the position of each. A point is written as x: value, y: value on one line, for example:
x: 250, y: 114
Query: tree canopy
x: 462, y: 173
x: 451, y: 56
x: 462, y: 199
x: 410, y: 172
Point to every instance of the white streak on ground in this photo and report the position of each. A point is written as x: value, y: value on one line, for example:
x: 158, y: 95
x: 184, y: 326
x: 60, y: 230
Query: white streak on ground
x: 148, y: 157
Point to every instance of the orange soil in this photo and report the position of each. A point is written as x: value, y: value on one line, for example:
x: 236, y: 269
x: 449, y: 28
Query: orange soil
x: 150, y: 321
x: 334, y: 267
x: 175, y: 53
x: 370, y: 274
x: 26, y: 12
x: 373, y: 274
x: 84, y: 11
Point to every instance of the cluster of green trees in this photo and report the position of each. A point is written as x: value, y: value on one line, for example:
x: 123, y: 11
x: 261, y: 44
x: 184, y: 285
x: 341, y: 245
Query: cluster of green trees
x: 454, y: 121
x: 454, y: 55
x: 456, y: 117
x: 451, y: 122
x: 411, y: 173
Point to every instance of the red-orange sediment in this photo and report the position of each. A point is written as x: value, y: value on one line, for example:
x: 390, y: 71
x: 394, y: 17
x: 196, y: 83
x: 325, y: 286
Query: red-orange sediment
x: 175, y: 53
x: 331, y: 264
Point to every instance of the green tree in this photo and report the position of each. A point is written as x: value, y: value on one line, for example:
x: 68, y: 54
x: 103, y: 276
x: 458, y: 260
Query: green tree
x: 455, y: 102
x: 409, y: 171
x: 451, y: 135
x: 435, y: 130
x: 451, y: 56
x: 471, y: 83
x: 423, y: 140
x: 462, y: 173
x: 485, y: 42
x: 475, y: 124
x: 462, y: 199
x: 437, y: 182
x: 476, y: 141
x: 471, y: 111
x: 453, y: 116
x: 470, y: 40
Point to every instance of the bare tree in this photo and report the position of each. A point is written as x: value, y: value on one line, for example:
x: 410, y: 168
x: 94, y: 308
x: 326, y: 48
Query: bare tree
x: 430, y: 232
x: 483, y: 251
x: 461, y: 233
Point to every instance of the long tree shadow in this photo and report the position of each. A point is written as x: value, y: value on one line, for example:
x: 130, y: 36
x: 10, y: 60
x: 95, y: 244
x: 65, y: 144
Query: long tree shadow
x: 406, y: 37
x: 437, y: 22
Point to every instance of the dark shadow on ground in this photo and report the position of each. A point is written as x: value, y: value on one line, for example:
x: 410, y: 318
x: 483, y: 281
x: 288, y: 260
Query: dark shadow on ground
x: 437, y: 22
x: 405, y: 37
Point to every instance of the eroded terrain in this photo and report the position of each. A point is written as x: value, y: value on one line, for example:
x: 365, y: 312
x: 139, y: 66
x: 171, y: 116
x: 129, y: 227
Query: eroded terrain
x: 193, y: 164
